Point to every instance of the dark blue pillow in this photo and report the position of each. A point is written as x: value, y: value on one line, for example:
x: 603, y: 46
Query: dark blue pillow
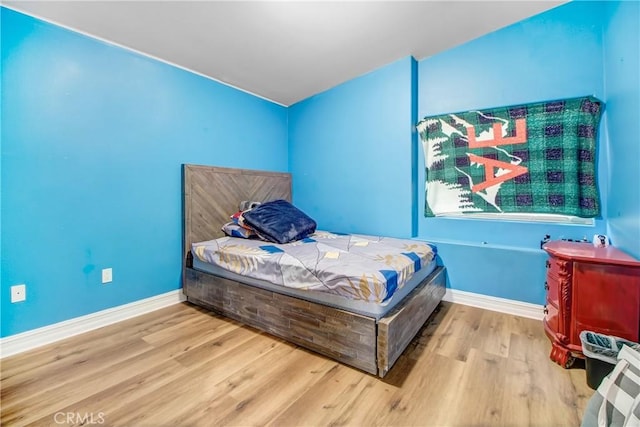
x: 279, y: 222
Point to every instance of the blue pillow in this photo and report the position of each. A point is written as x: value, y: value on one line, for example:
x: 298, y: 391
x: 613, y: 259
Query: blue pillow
x: 279, y: 222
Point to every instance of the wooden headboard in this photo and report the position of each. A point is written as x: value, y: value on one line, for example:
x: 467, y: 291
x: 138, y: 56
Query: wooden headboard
x: 211, y: 194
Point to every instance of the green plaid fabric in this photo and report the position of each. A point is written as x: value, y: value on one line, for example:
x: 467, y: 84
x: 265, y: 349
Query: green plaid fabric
x: 546, y: 166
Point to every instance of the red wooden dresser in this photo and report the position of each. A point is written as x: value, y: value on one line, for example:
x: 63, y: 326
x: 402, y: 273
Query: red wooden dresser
x: 589, y: 288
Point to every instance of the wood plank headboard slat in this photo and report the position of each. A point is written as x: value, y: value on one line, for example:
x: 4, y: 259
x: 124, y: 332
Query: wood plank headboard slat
x: 211, y: 194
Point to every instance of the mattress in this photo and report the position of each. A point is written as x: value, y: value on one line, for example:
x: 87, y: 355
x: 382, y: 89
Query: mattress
x: 363, y: 274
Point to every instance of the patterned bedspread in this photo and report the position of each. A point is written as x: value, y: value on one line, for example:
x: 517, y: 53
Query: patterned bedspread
x: 355, y: 266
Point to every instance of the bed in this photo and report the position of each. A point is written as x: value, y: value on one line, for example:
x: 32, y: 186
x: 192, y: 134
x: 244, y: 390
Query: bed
x: 366, y: 335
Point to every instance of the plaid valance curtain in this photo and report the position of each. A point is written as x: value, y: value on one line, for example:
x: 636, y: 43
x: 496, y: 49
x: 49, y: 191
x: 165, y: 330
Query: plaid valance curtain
x: 533, y: 158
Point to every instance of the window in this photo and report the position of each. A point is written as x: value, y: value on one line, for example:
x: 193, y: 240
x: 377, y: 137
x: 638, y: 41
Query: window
x: 530, y: 159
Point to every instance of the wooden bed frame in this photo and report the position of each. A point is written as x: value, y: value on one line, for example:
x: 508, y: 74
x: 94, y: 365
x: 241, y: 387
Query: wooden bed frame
x: 210, y: 195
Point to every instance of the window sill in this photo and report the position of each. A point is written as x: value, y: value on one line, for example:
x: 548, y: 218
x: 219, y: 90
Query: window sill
x: 524, y: 217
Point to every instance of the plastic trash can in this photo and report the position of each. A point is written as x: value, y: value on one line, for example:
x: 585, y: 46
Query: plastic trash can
x: 601, y: 354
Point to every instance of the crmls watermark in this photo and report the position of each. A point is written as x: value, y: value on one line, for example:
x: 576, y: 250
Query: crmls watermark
x: 78, y: 418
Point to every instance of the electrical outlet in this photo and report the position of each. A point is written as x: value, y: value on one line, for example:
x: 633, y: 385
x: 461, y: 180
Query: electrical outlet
x: 107, y: 275
x: 18, y: 293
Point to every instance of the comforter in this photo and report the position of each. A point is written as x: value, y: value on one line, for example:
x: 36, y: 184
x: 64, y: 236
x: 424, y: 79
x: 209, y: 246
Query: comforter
x: 359, y: 267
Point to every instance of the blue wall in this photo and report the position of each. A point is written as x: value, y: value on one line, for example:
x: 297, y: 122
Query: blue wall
x: 557, y: 54
x: 335, y: 135
x: 622, y: 84
x: 93, y: 137
x: 351, y: 153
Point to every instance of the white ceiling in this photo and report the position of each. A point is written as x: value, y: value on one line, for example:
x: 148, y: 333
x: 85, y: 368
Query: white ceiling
x: 284, y: 51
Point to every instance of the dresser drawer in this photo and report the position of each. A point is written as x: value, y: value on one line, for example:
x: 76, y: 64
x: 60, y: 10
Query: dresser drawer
x: 553, y: 289
x: 551, y: 317
x: 555, y: 266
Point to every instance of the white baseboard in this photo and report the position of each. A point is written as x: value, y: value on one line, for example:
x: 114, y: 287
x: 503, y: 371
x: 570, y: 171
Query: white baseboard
x: 19, y: 343
x: 29, y: 340
x: 502, y: 305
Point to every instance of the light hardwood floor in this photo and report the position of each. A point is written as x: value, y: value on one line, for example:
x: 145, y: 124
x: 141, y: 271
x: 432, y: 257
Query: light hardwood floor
x: 185, y: 366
